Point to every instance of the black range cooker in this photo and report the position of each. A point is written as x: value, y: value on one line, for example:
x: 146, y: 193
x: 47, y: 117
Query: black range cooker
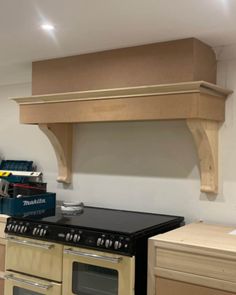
x: 111, y: 231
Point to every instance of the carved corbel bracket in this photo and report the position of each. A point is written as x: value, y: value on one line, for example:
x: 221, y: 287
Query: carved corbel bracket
x: 205, y: 134
x: 60, y: 135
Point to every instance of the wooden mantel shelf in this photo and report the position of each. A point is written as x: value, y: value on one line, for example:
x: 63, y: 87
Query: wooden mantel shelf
x: 201, y: 104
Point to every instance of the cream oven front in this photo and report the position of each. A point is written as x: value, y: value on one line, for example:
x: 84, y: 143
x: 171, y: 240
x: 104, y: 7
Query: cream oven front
x: 89, y: 272
x: 33, y: 267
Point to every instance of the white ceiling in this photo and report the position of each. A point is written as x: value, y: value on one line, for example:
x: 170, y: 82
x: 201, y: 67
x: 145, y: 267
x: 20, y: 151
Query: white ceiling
x: 95, y: 25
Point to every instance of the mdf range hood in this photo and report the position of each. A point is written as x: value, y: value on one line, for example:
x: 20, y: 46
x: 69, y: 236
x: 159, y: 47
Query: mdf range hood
x: 200, y: 104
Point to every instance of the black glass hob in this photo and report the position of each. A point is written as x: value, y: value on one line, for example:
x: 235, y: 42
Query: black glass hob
x: 117, y: 231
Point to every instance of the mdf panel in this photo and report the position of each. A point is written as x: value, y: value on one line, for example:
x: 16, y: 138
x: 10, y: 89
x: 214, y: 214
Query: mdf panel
x: 2, y: 228
x: 1, y: 286
x: 160, y: 63
x: 108, y: 110
x: 170, y: 287
x: 160, y: 107
x: 2, y: 258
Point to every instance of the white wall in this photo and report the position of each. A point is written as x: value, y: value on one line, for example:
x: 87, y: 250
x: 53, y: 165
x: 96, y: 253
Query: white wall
x: 150, y: 166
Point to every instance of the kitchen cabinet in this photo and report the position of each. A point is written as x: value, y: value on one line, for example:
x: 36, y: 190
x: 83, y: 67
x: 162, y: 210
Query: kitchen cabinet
x: 3, y: 219
x: 195, y: 259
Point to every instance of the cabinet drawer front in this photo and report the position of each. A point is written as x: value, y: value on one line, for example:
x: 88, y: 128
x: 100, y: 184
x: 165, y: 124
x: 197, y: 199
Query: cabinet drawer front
x: 213, y: 267
x: 166, y: 287
x: 37, y: 258
x: 2, y: 258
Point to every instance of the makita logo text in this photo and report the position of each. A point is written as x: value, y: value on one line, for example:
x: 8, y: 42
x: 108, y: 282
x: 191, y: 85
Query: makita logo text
x: 34, y: 202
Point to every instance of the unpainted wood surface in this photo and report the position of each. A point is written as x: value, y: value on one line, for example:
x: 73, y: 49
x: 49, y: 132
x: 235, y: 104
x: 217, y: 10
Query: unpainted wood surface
x: 163, y: 107
x: 200, y: 235
x: 2, y: 228
x: 198, y: 253
x: 170, y: 287
x: 1, y: 286
x: 128, y: 92
x: 160, y: 63
x: 205, y: 134
x: 60, y: 136
x: 3, y: 217
x: 2, y: 258
x: 204, y: 281
x: 207, y: 266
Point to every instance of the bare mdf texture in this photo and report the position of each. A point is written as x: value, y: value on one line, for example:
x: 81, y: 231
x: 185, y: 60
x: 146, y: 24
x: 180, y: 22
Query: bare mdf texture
x: 160, y: 63
x: 162, y: 107
x: 1, y: 286
x: 2, y: 258
x: 2, y: 227
x: 170, y: 287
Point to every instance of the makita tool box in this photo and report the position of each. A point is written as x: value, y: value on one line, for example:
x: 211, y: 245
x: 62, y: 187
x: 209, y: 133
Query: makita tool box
x: 18, y: 193
x: 20, y: 206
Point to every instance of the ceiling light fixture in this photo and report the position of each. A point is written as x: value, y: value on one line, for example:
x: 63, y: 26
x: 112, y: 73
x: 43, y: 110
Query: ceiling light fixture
x: 47, y: 27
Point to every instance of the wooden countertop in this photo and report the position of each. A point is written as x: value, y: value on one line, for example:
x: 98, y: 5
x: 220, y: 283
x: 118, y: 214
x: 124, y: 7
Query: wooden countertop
x: 3, y: 217
x: 215, y: 237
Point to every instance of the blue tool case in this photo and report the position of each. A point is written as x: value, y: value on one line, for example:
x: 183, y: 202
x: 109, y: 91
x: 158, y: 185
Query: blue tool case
x: 24, y: 204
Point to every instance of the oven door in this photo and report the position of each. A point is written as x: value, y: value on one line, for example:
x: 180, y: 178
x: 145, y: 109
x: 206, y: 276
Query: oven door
x: 37, y: 258
x: 17, y: 284
x: 89, y: 272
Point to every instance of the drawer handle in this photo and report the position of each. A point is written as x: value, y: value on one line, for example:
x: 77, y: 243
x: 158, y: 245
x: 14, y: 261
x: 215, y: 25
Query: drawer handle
x: 93, y: 256
x: 29, y: 243
x: 27, y: 282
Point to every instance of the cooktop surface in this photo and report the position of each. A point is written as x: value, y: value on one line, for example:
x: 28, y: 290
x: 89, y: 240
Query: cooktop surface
x: 110, y: 220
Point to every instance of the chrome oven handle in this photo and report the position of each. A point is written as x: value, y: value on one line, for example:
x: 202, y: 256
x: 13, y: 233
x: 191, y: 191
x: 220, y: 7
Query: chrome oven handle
x: 27, y: 282
x: 93, y: 256
x: 29, y: 243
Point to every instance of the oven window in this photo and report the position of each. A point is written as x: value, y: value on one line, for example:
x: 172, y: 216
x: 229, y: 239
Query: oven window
x: 94, y: 280
x: 21, y: 291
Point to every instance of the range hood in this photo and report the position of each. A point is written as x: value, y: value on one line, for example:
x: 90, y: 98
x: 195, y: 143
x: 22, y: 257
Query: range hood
x: 200, y: 104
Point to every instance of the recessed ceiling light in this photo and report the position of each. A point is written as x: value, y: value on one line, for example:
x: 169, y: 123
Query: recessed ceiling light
x: 47, y: 27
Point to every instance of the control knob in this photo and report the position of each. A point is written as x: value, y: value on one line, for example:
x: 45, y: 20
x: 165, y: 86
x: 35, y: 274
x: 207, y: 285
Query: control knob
x: 76, y: 238
x: 9, y: 226
x: 69, y: 237
x: 108, y: 243
x: 19, y: 228
x: 41, y: 232
x: 117, y: 245
x: 34, y: 231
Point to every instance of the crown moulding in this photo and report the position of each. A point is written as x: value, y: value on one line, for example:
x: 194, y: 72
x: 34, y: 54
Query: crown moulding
x: 201, y: 104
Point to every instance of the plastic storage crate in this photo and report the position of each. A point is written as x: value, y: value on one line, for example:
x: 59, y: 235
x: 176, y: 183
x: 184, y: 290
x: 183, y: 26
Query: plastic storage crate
x: 25, y: 204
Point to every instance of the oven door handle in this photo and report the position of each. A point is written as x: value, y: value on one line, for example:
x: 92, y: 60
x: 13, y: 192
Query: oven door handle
x: 11, y: 277
x: 93, y: 256
x: 29, y: 243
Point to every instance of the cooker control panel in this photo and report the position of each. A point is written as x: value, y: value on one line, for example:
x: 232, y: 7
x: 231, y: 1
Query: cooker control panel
x: 75, y: 236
